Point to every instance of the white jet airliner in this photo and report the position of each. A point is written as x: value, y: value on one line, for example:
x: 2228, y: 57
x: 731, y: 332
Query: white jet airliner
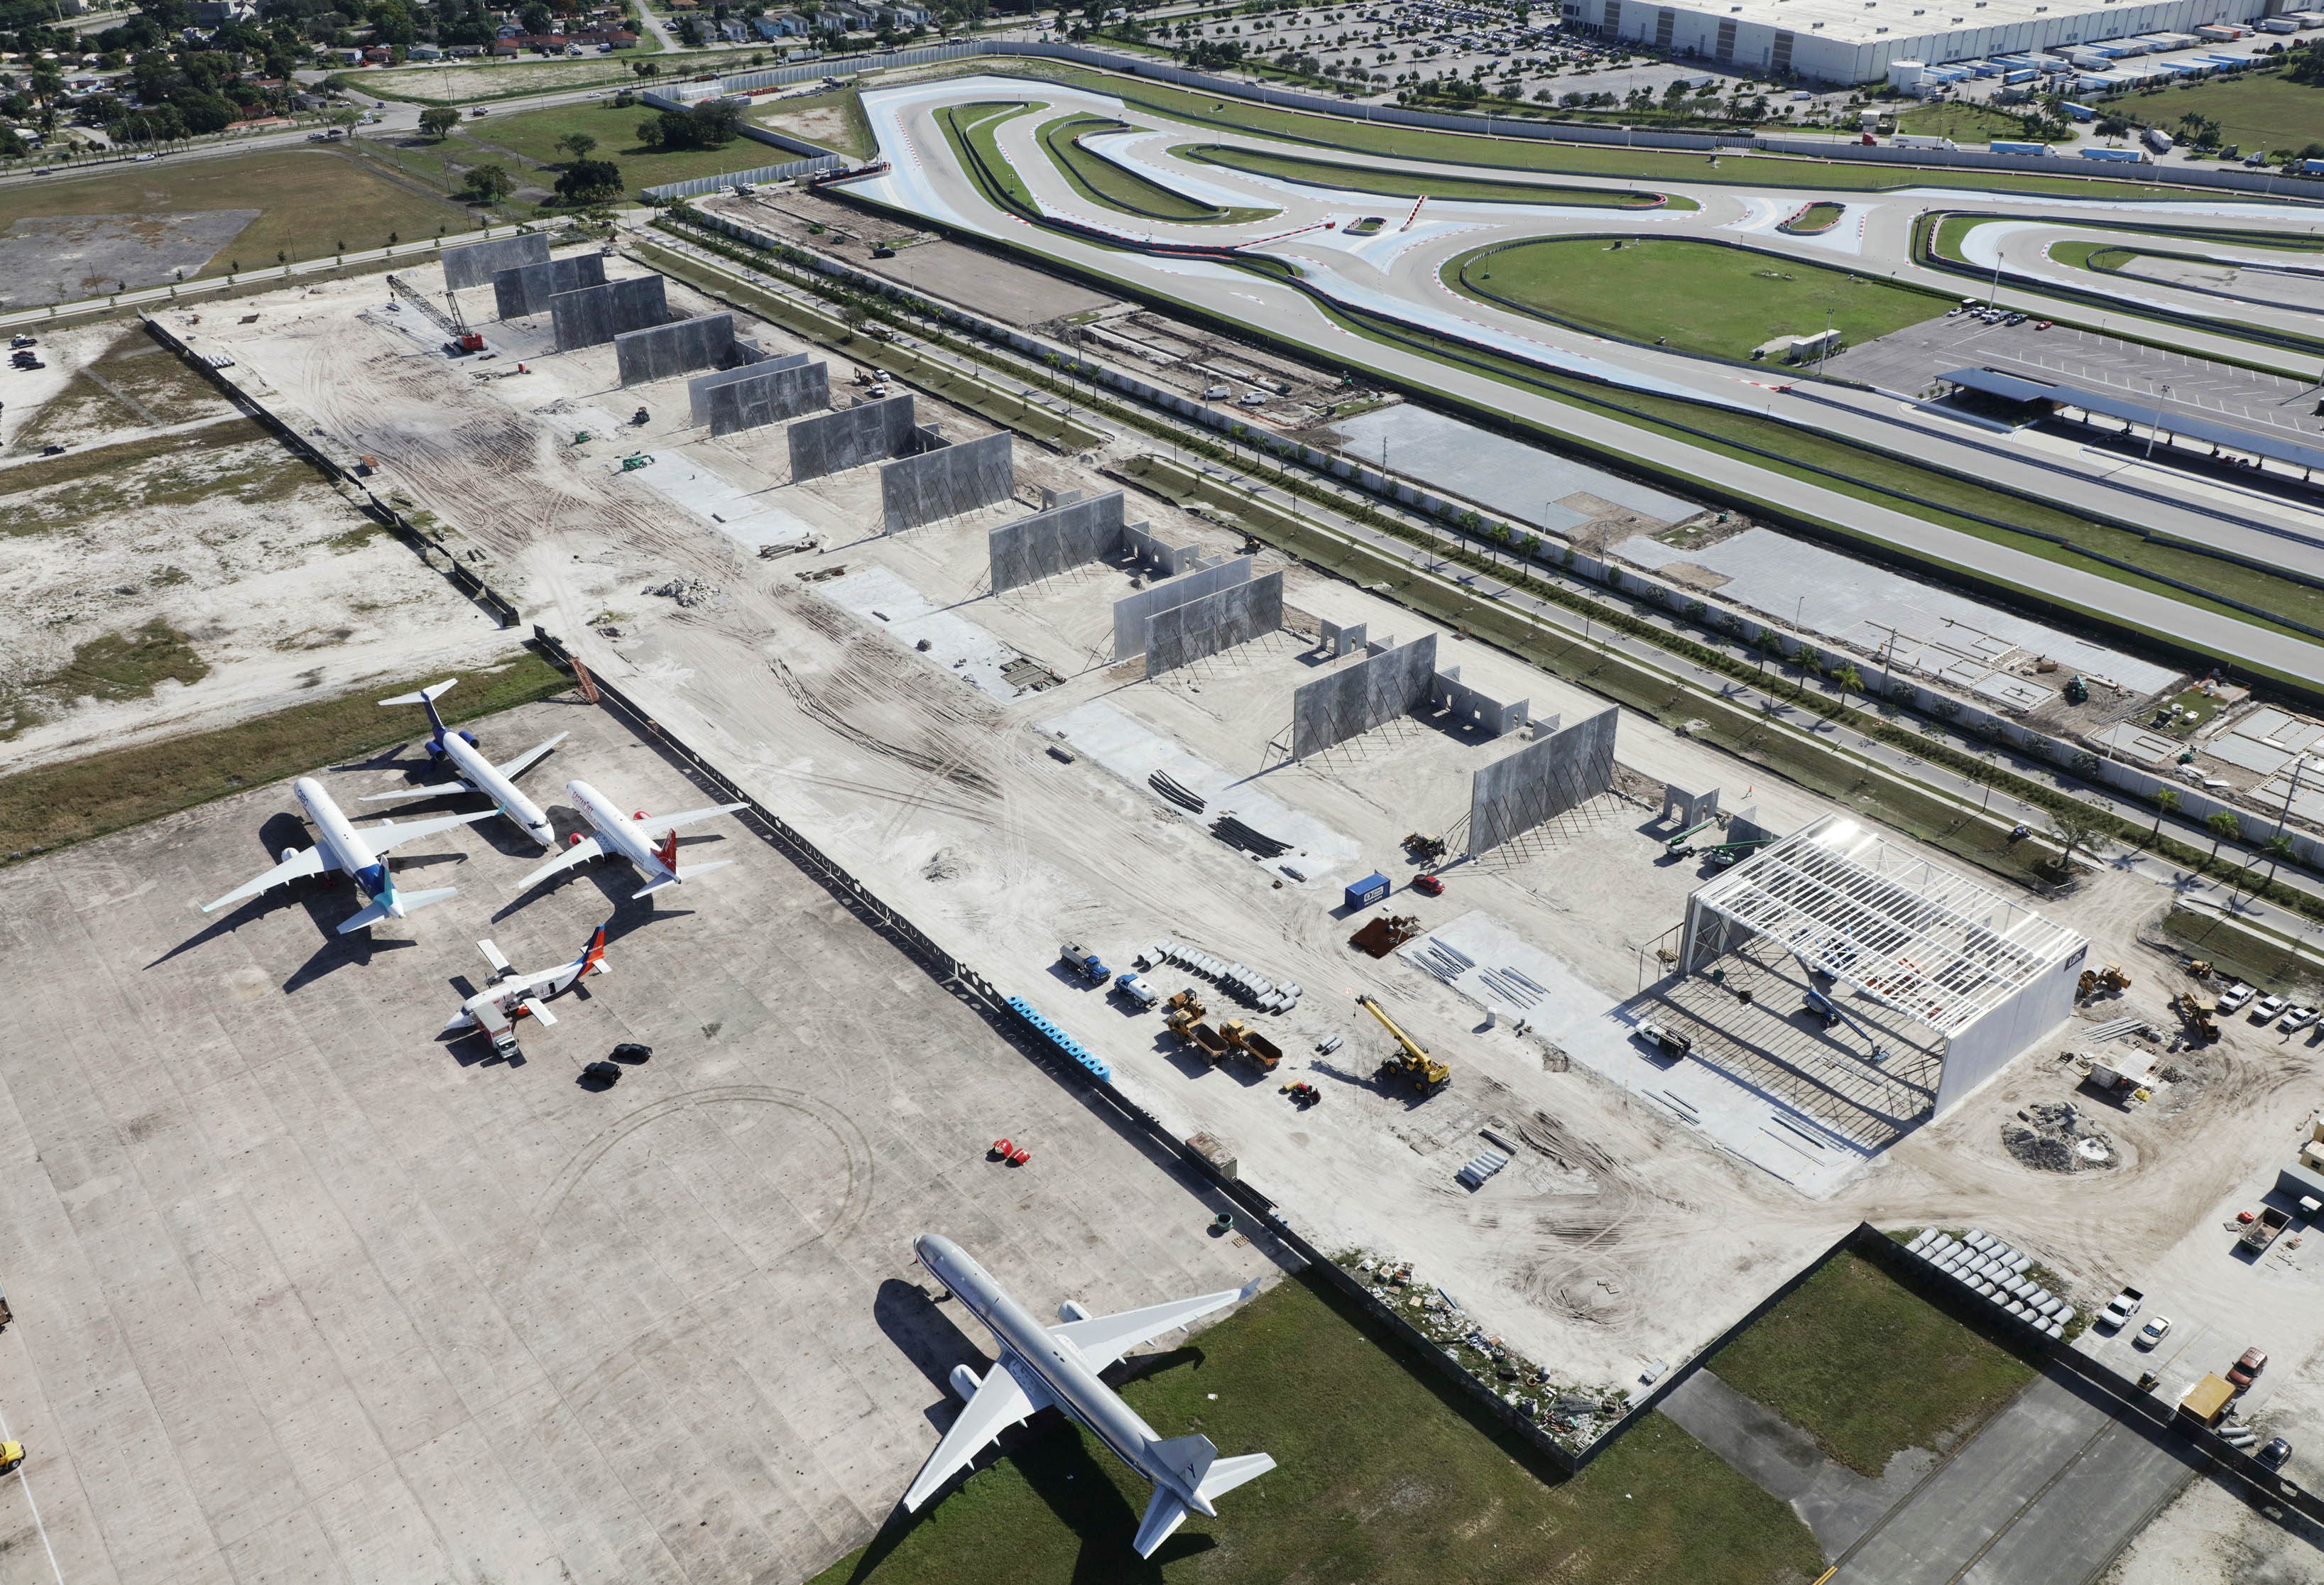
x: 1041, y: 1367
x: 458, y: 751
x: 650, y: 842
x: 361, y: 855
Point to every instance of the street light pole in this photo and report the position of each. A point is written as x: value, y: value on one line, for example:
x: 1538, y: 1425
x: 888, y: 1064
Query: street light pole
x: 2150, y: 434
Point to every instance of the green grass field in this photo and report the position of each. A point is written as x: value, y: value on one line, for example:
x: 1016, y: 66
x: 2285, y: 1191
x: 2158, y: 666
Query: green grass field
x: 1699, y: 297
x: 1868, y: 1368
x: 526, y: 141
x: 969, y: 129
x: 1379, y: 1478
x: 1964, y: 123
x: 1396, y: 184
x: 1353, y: 136
x: 1101, y: 180
x: 308, y: 202
x: 53, y: 805
x: 1814, y: 218
x: 2260, y: 110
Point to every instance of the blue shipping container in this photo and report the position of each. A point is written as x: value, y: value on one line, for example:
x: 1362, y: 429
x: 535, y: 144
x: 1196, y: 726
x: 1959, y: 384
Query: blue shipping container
x: 1362, y: 894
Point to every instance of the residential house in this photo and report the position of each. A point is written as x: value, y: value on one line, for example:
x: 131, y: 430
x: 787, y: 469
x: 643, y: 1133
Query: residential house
x: 903, y: 18
x: 735, y: 31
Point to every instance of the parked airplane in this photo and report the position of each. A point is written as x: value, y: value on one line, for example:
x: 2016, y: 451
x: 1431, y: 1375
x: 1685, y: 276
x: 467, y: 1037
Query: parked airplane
x: 1059, y: 1365
x: 360, y: 854
x: 473, y: 772
x: 512, y: 996
x: 650, y: 843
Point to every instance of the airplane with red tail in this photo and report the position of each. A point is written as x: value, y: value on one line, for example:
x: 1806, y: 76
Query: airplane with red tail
x: 648, y: 842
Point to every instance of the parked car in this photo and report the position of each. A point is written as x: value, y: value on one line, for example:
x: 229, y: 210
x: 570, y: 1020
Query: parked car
x: 2120, y: 1309
x: 632, y: 1050
x: 2274, y: 1454
x: 600, y: 1074
x: 2152, y: 1333
x: 1429, y: 886
x: 2235, y: 996
x: 2297, y: 1018
x: 2269, y: 1007
x: 2247, y: 1369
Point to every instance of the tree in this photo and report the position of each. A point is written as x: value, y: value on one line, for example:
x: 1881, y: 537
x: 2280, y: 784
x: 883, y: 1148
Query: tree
x: 2166, y: 802
x: 1848, y: 680
x: 2080, y: 827
x: 590, y: 181
x: 2279, y: 848
x: 437, y: 121
x: 487, y: 184
x: 577, y: 144
x: 2222, y: 826
x: 535, y: 18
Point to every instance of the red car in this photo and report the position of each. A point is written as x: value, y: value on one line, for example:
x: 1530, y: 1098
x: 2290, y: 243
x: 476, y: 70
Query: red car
x: 1429, y: 886
x: 2248, y: 1369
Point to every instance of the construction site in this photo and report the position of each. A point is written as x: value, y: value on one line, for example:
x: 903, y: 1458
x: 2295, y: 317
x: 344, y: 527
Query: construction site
x: 1600, y: 1028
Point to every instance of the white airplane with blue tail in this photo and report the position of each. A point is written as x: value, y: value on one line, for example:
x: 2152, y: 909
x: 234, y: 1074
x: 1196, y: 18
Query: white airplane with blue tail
x: 359, y: 855
x: 459, y: 752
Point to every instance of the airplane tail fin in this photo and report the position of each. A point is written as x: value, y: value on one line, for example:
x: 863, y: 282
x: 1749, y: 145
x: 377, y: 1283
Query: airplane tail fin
x: 426, y: 696
x: 1164, y: 1514
x: 671, y: 879
x: 592, y: 956
x: 667, y: 851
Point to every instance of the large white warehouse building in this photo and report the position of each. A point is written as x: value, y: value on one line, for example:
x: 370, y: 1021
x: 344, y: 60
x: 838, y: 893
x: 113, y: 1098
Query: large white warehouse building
x: 1853, y: 40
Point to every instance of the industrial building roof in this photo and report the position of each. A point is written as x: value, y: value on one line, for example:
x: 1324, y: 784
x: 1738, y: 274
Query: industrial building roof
x: 1933, y: 945
x: 2283, y: 448
x: 1865, y: 21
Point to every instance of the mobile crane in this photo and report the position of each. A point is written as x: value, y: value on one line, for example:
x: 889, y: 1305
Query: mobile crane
x: 1411, y: 1062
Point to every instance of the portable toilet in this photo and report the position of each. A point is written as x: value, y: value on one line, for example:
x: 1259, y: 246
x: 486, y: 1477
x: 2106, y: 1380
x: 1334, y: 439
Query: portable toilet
x: 1362, y: 894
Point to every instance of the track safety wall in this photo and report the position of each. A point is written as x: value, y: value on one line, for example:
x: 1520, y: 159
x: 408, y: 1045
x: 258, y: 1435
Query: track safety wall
x: 768, y: 397
x: 938, y: 484
x: 525, y: 291
x: 1131, y: 613
x: 835, y: 442
x: 1047, y: 543
x: 1541, y: 781
x: 1215, y: 622
x: 595, y: 315
x: 476, y: 263
x: 661, y: 352
x: 1355, y: 699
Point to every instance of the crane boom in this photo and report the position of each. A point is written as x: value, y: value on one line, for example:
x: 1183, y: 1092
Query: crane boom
x: 1427, y: 1074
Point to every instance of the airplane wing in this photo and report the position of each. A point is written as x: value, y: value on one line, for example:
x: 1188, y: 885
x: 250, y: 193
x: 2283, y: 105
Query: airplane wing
x: 662, y: 825
x: 538, y: 1012
x: 394, y: 833
x: 580, y: 853
x: 297, y: 865
x: 998, y: 1405
x: 434, y: 790
x: 1104, y: 1339
x: 530, y: 758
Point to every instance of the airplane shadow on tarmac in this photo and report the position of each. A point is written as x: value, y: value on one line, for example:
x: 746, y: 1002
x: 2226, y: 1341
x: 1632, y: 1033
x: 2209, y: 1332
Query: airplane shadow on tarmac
x: 1051, y: 1452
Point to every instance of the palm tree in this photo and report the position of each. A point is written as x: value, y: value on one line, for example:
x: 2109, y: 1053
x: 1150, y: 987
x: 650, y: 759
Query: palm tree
x: 2166, y: 802
x: 2279, y: 848
x: 2221, y: 826
x: 1848, y: 680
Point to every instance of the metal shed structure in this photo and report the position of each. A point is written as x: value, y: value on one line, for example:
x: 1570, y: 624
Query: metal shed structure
x: 1985, y: 975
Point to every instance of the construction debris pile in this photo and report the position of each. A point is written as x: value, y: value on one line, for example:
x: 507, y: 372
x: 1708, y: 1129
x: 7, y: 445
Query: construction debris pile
x: 1235, y: 833
x: 686, y: 592
x: 1573, y: 1415
x: 2053, y: 1136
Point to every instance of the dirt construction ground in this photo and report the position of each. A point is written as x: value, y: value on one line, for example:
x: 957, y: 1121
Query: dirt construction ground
x: 305, y: 1293
x: 1627, y: 1231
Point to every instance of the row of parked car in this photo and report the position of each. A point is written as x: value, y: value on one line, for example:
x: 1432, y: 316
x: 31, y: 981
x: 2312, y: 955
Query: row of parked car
x: 2290, y: 1015
x: 2240, y: 1375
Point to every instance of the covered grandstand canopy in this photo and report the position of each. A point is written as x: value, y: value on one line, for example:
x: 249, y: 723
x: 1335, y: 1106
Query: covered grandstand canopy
x: 1984, y: 972
x: 2286, y: 447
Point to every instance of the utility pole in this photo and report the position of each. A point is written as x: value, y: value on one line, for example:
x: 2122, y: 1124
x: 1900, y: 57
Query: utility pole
x: 2150, y: 434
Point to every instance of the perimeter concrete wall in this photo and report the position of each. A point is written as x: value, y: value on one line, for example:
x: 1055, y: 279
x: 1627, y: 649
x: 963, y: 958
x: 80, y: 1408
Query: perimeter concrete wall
x: 938, y: 484
x: 1218, y: 621
x: 479, y: 262
x: 595, y: 315
x: 663, y: 351
x: 698, y: 389
x: 1541, y: 781
x: 835, y: 442
x: 768, y: 397
x: 525, y: 291
x: 1352, y: 700
x: 1048, y: 542
x: 1130, y: 613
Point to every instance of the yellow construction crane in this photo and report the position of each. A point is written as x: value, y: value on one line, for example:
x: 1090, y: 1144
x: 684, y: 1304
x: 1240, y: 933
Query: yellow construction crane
x: 1411, y: 1060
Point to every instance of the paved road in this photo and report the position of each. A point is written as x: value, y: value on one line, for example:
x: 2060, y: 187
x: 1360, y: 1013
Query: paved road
x: 2047, y: 1494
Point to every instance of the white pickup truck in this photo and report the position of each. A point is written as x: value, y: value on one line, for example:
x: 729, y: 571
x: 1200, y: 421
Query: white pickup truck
x: 2120, y: 1309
